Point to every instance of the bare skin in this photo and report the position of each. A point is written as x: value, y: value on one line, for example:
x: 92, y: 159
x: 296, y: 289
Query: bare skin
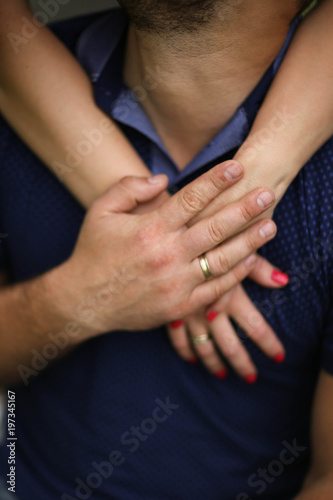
x: 59, y: 121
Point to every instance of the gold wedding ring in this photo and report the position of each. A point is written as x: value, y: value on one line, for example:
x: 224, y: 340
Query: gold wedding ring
x: 205, y: 267
x: 201, y: 339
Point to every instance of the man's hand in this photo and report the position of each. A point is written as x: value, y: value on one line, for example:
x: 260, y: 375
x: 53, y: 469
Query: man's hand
x: 235, y: 305
x: 146, y: 267
x: 135, y: 271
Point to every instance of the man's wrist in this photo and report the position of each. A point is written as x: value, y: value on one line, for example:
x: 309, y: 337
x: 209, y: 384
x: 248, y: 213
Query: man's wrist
x: 62, y: 295
x: 45, y: 321
x: 78, y: 310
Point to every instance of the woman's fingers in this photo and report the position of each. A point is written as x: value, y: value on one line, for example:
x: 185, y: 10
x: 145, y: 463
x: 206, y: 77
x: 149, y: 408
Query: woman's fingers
x: 194, y: 197
x: 204, y: 346
x: 209, y: 339
x: 247, y: 316
x: 184, y: 337
x: 212, y: 335
x: 232, y: 348
x: 209, y: 233
x: 265, y: 274
x: 180, y: 341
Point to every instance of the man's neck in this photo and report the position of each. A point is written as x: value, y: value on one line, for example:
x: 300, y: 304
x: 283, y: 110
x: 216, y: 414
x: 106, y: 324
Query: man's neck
x: 207, y: 74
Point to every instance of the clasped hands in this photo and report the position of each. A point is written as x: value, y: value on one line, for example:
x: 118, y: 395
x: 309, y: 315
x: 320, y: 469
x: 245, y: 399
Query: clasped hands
x: 156, y: 254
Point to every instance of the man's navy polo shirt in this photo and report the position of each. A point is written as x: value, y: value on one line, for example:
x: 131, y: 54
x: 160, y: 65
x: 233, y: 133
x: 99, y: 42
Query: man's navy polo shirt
x: 122, y: 417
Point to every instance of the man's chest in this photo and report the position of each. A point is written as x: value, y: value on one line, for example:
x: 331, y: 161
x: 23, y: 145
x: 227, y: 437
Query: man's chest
x: 43, y: 220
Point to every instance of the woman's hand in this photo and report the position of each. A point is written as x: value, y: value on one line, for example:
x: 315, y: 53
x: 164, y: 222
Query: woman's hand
x: 224, y: 341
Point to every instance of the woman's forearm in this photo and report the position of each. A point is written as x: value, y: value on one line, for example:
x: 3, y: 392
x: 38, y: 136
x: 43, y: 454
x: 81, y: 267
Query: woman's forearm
x: 297, y: 115
x: 48, y: 99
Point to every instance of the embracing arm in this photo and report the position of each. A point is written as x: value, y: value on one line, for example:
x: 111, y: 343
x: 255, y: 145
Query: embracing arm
x: 113, y: 280
x: 41, y: 305
x: 48, y: 99
x: 52, y: 117
x: 60, y: 306
x: 319, y: 483
x: 297, y: 115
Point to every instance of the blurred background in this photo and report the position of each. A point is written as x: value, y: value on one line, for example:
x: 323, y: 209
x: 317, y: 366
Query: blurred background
x: 74, y: 7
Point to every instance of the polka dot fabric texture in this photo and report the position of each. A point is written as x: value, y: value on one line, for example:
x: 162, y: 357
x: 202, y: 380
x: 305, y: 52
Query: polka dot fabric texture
x: 122, y: 417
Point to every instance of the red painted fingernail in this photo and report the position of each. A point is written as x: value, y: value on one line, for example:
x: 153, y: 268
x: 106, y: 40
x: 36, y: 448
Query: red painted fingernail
x: 251, y: 379
x: 177, y: 324
x: 279, y: 358
x: 222, y: 374
x: 280, y: 277
x: 211, y: 316
x: 193, y: 361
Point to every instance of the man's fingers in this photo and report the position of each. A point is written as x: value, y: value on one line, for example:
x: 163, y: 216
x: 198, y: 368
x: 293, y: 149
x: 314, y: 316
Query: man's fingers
x: 226, y: 256
x: 127, y: 194
x: 211, y: 291
x: 194, y: 197
x: 209, y: 233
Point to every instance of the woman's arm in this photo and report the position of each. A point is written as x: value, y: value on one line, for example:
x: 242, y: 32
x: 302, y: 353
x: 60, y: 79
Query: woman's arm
x: 48, y: 99
x: 297, y: 113
x: 296, y: 118
x: 307, y: 112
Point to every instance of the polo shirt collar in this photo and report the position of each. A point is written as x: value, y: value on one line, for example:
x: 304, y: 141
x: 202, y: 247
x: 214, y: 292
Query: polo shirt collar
x: 101, y: 50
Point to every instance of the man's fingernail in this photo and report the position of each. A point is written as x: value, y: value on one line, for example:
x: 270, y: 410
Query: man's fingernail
x: 211, y: 316
x: 279, y: 358
x: 233, y: 172
x: 193, y: 361
x: 222, y: 374
x: 251, y: 379
x: 250, y: 261
x: 267, y: 230
x: 177, y: 324
x: 280, y: 277
x: 265, y: 199
x: 156, y: 179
